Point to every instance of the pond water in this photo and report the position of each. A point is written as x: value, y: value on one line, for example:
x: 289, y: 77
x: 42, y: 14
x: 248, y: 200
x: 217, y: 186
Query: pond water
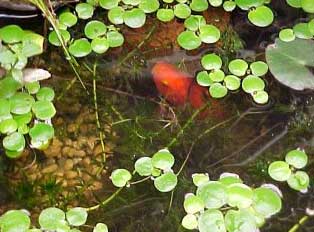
x: 237, y: 135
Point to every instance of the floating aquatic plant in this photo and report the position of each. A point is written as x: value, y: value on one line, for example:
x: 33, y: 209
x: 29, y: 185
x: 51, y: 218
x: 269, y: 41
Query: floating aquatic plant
x: 288, y: 170
x: 227, y: 204
x: 239, y: 74
x: 52, y: 219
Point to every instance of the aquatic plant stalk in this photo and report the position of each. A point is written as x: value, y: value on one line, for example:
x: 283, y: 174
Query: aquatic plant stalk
x: 299, y: 224
x: 52, y: 20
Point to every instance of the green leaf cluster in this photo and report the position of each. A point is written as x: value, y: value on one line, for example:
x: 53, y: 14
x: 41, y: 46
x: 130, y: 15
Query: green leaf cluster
x: 259, y: 14
x: 22, y: 103
x: 227, y: 204
x: 197, y: 31
x: 99, y: 37
x: 158, y: 168
x: 304, y: 30
x: 239, y: 74
x: 288, y: 170
x: 50, y: 219
x: 16, y: 46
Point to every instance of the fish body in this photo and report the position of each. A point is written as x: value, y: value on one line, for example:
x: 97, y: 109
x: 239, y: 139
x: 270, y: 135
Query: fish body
x: 176, y: 86
x: 172, y: 83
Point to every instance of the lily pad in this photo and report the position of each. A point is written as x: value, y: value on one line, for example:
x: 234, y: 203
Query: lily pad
x: 292, y: 63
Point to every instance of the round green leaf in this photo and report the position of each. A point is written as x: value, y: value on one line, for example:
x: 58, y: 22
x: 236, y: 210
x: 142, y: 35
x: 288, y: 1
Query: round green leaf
x: 108, y: 4
x: 14, y: 221
x: 240, y: 220
x: 189, y: 222
x: 182, y: 11
x: 232, y: 82
x: 228, y: 179
x: 296, y: 158
x: 215, y: 3
x: 217, y: 75
x: 294, y: 3
x: 45, y: 94
x: 213, y: 193
x: 238, y: 67
x: 211, y: 61
x: 43, y: 110
x: 287, y: 35
x: 4, y: 107
x: 51, y: 218
x: 94, y: 29
x: 8, y: 126
x: 41, y: 132
x: 166, y: 182
x: 209, y: 33
x: 302, y: 31
x: 115, y: 15
x: 115, y: 39
x: 163, y: 160
x: 193, y: 204
x: 21, y: 103
x: 134, y: 18
x: 248, y: 4
x: 80, y: 48
x: 143, y: 166
x: 100, y: 45
x: 100, y: 227
x: 266, y: 202
x: 239, y: 195
x: 200, y: 178
x: 165, y: 15
x: 299, y: 181
x: 194, y: 22
x: 120, y: 177
x: 260, y: 97
x: 149, y: 6
x: 84, y: 10
x: 211, y: 220
x: 76, y: 216
x: 261, y: 16
x: 259, y: 68
x: 32, y: 87
x: 217, y: 90
x: 308, y: 6
x: 68, y: 19
x: 229, y: 6
x: 251, y: 84
x: 279, y: 170
x: 199, y: 5
x: 189, y: 40
x: 11, y: 34
x: 203, y: 79
x: 54, y: 40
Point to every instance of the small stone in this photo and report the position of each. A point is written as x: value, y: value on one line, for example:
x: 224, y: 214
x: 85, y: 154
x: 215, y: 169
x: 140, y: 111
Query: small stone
x: 68, y: 164
x: 49, y: 169
x: 70, y: 174
x: 71, y: 128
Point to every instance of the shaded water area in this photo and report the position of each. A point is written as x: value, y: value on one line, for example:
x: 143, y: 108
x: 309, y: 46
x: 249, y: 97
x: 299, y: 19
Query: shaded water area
x: 236, y: 136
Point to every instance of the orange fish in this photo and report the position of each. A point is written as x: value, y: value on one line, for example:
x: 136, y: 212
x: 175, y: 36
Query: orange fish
x: 176, y: 86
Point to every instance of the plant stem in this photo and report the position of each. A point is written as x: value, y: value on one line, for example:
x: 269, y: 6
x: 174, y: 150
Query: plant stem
x: 299, y: 224
x: 52, y: 20
x: 101, y: 134
x: 105, y: 202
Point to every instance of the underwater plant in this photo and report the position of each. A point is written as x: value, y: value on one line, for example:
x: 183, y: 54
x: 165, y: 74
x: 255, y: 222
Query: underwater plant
x: 288, y: 170
x: 26, y: 108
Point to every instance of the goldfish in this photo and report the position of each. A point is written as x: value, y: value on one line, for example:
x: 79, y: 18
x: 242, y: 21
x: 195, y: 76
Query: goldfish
x: 177, y: 87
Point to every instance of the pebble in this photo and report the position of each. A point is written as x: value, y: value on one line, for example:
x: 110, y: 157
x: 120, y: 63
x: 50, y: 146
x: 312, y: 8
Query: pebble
x: 71, y: 174
x: 68, y: 165
x: 49, y: 169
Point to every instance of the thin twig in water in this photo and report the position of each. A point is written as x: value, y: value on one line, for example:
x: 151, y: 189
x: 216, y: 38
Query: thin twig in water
x: 244, y: 147
x: 259, y: 152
